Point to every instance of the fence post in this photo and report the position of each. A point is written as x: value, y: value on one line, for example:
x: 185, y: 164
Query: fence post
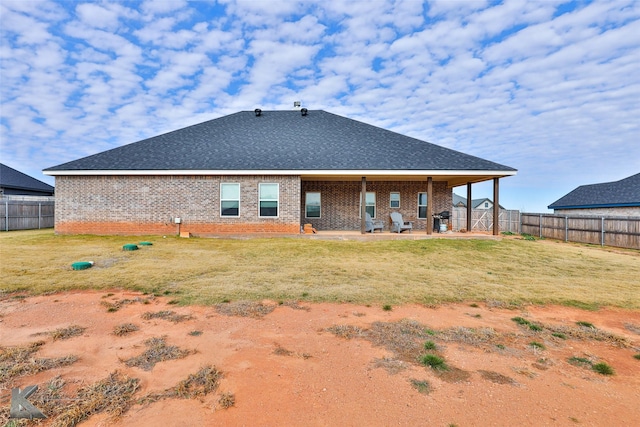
x: 6, y: 215
x: 541, y: 226
x: 602, y: 234
x: 39, y: 215
x: 566, y: 228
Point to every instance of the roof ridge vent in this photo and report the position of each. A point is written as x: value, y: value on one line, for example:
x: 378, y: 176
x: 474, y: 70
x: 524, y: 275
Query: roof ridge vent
x: 258, y: 112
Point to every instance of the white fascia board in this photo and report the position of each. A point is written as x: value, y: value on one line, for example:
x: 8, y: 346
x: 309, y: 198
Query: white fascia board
x: 284, y: 172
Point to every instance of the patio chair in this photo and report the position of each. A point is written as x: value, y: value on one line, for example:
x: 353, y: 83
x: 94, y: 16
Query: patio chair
x: 398, y: 225
x: 371, y: 225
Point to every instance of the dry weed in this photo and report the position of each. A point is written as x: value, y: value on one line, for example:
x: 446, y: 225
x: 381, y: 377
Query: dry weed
x: 117, y: 305
x: 244, y: 309
x: 496, y: 377
x: 169, y: 315
x: 391, y: 365
x: 124, y: 329
x: 587, y: 333
x: 19, y: 361
x: 227, y: 400
x: 632, y: 328
x: 405, y: 339
x: 281, y: 351
x: 453, y: 375
x: 47, y: 399
x: 345, y: 331
x: 66, y: 333
x: 157, y: 351
x: 470, y: 336
x: 203, y: 382
x: 296, y: 305
x: 112, y: 395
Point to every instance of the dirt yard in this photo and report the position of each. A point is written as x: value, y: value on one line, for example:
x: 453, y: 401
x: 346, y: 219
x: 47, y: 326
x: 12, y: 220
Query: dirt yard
x: 299, y: 364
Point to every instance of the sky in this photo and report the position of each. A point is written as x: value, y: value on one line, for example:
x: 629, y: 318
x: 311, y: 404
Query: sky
x: 551, y: 88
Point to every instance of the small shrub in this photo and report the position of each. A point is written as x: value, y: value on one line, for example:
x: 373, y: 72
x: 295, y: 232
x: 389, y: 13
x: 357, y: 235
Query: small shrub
x: 520, y: 320
x: 429, y: 332
x: 636, y: 356
x: 429, y: 345
x: 435, y: 362
x: 537, y: 345
x: 195, y: 333
x: 559, y: 335
x: 500, y: 346
x: 387, y: 307
x: 580, y: 361
x: 534, y: 327
x: 422, y: 386
x: 474, y: 305
x: 124, y: 329
x: 227, y: 400
x: 603, y: 369
x: 585, y: 324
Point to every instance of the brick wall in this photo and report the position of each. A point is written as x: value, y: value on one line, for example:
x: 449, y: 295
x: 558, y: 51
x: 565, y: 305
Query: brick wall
x: 621, y: 211
x: 149, y: 204
x: 340, y: 202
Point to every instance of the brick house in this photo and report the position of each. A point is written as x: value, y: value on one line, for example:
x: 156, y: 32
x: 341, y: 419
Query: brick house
x: 618, y: 198
x: 263, y: 172
x: 16, y: 183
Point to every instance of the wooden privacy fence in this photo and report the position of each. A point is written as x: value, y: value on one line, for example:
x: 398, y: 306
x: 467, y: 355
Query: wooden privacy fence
x: 482, y: 220
x: 26, y: 214
x: 622, y: 232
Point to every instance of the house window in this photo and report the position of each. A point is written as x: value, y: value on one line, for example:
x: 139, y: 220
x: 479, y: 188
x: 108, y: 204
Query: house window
x: 422, y: 205
x: 269, y: 199
x: 395, y: 200
x: 230, y: 200
x: 312, y: 205
x: 370, y: 204
x: 486, y: 205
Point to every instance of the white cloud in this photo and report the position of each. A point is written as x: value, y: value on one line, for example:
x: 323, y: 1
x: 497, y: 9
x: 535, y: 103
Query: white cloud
x: 96, y: 16
x: 553, y: 94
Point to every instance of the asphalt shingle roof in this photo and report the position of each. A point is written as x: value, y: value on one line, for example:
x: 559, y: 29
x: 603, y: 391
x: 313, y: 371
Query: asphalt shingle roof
x: 625, y: 192
x: 11, y: 178
x: 281, y: 140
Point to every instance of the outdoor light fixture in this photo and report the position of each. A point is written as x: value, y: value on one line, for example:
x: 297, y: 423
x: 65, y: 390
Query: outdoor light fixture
x: 258, y: 112
x: 303, y: 111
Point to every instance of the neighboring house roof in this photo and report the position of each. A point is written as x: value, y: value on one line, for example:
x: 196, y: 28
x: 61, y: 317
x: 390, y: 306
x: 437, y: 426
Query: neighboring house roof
x: 285, y: 142
x: 18, y: 181
x: 623, y: 193
x: 462, y: 201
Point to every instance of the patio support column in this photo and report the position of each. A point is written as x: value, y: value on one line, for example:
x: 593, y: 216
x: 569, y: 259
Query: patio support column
x: 363, y: 206
x: 496, y: 207
x: 429, y: 205
x: 469, y: 208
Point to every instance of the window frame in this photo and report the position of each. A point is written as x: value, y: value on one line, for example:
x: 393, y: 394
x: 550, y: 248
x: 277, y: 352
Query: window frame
x: 260, y: 200
x: 222, y: 200
x: 374, y: 205
x: 306, y: 204
x: 426, y: 198
x: 391, y: 200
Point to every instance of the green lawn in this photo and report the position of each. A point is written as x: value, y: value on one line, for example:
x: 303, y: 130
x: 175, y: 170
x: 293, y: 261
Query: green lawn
x: 206, y: 271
